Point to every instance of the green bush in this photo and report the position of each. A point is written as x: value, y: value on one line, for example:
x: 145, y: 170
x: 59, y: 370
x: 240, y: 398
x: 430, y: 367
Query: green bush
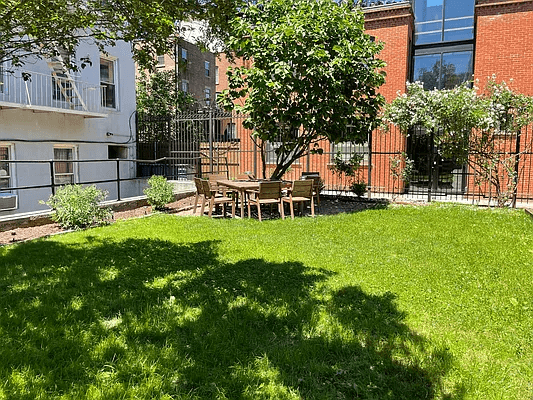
x: 78, y: 207
x: 359, y: 188
x: 160, y: 192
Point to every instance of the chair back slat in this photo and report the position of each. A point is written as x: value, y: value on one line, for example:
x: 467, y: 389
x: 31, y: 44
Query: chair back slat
x: 206, y: 187
x: 199, y: 186
x: 269, y: 190
x: 302, y: 188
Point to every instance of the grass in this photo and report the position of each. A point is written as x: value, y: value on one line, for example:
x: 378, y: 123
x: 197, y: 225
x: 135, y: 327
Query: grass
x: 400, y: 303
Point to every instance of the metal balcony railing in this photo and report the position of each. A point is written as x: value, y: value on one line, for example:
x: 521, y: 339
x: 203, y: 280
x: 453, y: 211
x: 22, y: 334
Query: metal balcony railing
x: 375, y: 3
x: 46, y: 92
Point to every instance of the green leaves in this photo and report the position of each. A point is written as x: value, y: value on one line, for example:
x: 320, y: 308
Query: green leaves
x: 314, y: 70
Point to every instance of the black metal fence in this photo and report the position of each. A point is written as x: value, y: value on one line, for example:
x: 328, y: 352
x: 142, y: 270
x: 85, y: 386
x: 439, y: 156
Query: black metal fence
x: 391, y: 164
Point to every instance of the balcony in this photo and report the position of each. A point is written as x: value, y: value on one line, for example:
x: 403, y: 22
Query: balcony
x: 50, y: 94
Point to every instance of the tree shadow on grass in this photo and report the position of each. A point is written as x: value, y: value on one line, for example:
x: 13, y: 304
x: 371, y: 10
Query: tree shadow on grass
x: 150, y: 318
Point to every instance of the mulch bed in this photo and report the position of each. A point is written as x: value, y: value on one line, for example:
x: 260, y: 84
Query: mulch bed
x: 183, y: 206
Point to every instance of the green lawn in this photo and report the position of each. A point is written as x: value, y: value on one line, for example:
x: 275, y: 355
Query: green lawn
x: 401, y: 303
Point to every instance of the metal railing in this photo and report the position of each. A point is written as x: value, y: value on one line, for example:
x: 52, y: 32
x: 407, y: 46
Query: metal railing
x: 52, y: 184
x: 34, y: 89
x: 201, y: 143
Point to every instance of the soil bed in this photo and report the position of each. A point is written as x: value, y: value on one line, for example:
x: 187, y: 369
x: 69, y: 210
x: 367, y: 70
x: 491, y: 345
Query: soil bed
x: 328, y: 206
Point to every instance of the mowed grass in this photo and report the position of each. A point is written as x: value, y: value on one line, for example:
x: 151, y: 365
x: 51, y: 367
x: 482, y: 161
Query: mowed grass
x: 400, y: 303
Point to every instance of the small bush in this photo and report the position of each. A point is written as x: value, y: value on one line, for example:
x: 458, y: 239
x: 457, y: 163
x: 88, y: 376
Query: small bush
x: 76, y: 207
x: 359, y: 188
x: 160, y: 192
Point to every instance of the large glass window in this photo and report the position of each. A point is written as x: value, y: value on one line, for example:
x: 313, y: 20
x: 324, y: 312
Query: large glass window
x: 107, y: 82
x: 443, y: 20
x: 443, y: 70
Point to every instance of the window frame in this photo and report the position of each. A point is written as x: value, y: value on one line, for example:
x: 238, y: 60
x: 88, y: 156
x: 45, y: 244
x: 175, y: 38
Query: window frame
x: 160, y: 61
x: 114, y: 83
x: 346, y: 153
x: 207, y: 96
x: 207, y: 68
x: 58, y: 162
x: 10, y: 176
x: 186, y: 83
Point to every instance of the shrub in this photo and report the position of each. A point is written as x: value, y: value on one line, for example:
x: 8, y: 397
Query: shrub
x: 77, y: 207
x: 358, y: 188
x: 160, y: 192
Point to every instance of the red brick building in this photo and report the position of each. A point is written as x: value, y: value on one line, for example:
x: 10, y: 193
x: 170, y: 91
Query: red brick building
x: 440, y: 43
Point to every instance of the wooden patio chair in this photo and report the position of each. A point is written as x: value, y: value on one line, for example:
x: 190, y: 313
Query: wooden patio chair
x: 213, y: 178
x: 300, y: 192
x: 268, y: 193
x: 212, y: 198
x: 315, y: 177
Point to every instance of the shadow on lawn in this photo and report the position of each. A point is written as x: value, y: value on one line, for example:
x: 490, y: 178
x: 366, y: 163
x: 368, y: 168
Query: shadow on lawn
x: 148, y: 317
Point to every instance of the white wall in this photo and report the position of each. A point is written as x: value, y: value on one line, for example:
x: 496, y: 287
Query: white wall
x: 33, y: 135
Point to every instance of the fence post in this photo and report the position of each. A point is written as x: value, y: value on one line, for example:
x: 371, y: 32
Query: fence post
x: 431, y: 163
x: 118, y: 180
x: 211, y: 134
x: 516, y: 167
x: 369, y: 185
x: 52, y: 179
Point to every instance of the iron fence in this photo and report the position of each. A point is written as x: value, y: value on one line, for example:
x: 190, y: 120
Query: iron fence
x: 391, y: 164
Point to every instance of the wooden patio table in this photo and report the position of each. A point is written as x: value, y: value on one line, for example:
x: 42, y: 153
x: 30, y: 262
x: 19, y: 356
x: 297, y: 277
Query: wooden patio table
x: 242, y: 186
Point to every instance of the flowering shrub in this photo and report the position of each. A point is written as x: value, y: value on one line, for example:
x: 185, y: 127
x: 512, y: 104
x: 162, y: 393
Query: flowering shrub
x: 466, y: 125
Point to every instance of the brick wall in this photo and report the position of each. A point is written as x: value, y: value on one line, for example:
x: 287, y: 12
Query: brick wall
x: 504, y: 46
x: 394, y: 26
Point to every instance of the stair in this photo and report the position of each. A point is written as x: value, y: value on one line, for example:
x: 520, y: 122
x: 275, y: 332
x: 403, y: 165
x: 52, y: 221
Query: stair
x: 65, y: 84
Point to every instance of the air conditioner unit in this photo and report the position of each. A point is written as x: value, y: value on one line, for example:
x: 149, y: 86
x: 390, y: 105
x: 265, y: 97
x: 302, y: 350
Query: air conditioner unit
x: 8, y: 201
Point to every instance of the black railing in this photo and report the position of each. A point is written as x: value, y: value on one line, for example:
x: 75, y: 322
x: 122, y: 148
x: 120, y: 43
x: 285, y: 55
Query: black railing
x: 163, y: 166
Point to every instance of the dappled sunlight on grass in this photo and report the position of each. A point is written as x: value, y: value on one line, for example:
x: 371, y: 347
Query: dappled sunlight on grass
x: 165, y: 308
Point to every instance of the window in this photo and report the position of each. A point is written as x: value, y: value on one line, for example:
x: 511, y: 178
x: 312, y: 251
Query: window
x: 347, y: 149
x: 443, y: 70
x: 207, y: 67
x: 207, y: 96
x: 5, y: 170
x: 63, y: 165
x: 216, y: 75
x: 61, y: 87
x: 2, y: 80
x: 184, y: 55
x: 114, y: 152
x: 270, y: 152
x: 185, y: 86
x: 443, y: 20
x: 161, y: 61
x: 107, y: 82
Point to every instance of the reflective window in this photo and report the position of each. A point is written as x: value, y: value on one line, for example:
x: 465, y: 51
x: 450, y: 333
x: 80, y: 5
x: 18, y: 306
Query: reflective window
x: 443, y: 20
x: 443, y: 70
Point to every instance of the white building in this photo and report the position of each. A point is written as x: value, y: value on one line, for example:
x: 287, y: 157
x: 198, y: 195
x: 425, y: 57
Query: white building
x: 49, y: 114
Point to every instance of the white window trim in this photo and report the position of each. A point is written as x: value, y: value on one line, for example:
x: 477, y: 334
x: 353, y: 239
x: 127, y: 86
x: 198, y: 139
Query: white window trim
x: 114, y: 60
x: 160, y: 63
x: 12, y: 167
x: 75, y: 169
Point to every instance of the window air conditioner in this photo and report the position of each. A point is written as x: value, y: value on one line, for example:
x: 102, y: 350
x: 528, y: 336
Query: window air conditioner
x: 8, y: 201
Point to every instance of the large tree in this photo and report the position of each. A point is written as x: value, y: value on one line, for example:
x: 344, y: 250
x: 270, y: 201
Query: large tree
x: 314, y: 75
x: 42, y: 28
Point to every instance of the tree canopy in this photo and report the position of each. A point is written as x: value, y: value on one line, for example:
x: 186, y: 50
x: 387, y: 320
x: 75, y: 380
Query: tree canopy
x: 314, y: 75
x: 42, y: 28
x: 157, y: 94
